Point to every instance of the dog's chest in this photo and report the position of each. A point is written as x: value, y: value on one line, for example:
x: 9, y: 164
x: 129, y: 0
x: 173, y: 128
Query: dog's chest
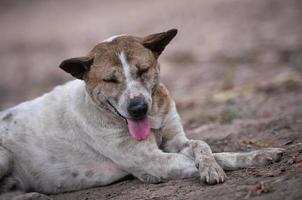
x: 157, y: 124
x: 158, y: 136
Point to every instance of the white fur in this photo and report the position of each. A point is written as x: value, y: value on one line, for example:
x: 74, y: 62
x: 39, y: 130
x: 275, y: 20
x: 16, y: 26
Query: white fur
x: 133, y: 87
x: 110, y: 39
x: 126, y: 67
x: 130, y: 83
x: 66, y: 125
x: 56, y: 141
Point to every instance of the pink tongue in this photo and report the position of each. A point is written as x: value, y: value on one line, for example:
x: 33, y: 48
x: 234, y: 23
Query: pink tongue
x: 139, y: 129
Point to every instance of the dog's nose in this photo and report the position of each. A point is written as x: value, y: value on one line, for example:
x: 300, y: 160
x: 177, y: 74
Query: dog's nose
x: 138, y: 108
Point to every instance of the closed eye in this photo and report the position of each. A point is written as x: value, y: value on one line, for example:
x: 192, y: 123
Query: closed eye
x: 111, y: 80
x: 140, y: 72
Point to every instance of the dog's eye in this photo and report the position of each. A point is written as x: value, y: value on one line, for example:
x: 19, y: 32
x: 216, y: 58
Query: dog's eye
x: 140, y: 72
x: 110, y: 80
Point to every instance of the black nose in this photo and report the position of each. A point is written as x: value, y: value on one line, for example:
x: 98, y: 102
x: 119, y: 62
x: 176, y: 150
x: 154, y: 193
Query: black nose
x: 138, y: 108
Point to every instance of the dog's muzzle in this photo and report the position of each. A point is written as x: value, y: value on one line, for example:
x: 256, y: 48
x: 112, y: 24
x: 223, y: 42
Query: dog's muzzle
x: 138, y: 123
x: 138, y: 108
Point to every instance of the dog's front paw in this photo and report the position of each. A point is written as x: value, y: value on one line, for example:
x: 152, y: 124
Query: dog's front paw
x: 210, y: 172
x: 267, y: 156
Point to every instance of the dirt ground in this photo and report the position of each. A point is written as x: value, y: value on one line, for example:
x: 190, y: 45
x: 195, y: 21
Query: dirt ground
x: 235, y: 71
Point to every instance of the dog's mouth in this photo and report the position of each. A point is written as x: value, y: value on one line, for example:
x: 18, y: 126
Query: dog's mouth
x: 139, y: 129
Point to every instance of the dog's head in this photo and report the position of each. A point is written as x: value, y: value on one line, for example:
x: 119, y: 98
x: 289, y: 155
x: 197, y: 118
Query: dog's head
x: 121, y: 73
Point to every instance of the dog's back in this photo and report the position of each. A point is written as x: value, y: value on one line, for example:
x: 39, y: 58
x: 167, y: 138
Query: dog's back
x: 32, y: 132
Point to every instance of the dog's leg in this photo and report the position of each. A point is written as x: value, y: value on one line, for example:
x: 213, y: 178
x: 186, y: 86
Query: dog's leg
x: 233, y: 161
x: 210, y: 165
x: 149, y: 164
x: 7, y: 182
x: 175, y: 140
x: 210, y: 171
x: 5, y: 162
x: 18, y: 195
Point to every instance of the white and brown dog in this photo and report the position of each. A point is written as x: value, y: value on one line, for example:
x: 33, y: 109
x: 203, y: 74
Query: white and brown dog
x: 118, y: 119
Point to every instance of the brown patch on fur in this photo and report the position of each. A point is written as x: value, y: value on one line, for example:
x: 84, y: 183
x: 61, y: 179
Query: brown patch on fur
x: 104, y: 75
x: 107, y: 66
x: 161, y: 100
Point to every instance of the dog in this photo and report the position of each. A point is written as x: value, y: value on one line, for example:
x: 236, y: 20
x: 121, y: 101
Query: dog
x: 116, y: 119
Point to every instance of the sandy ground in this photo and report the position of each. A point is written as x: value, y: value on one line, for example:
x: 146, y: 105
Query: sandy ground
x: 234, y: 71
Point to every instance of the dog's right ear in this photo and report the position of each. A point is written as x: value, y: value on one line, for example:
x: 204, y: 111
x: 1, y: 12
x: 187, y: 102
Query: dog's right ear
x: 77, y: 67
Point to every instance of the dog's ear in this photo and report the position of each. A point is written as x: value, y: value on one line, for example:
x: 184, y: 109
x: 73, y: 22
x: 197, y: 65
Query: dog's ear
x: 158, y: 41
x: 77, y: 67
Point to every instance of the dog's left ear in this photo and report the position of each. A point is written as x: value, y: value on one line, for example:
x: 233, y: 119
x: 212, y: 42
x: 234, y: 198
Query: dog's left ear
x: 77, y: 67
x: 158, y: 41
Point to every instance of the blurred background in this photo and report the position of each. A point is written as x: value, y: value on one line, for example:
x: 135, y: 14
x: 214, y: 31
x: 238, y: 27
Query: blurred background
x: 228, y: 59
x: 234, y: 70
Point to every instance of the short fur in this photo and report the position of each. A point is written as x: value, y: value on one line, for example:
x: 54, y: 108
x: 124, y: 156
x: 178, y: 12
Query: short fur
x: 76, y: 136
